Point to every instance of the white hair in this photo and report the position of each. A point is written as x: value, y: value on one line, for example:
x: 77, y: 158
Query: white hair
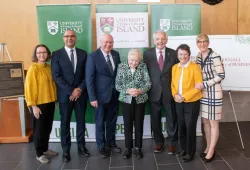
x: 135, y: 52
x: 159, y: 31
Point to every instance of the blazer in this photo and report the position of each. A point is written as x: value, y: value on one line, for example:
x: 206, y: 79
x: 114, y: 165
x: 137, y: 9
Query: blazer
x: 63, y: 73
x: 191, y: 76
x: 100, y: 83
x: 161, y: 80
x: 139, y: 80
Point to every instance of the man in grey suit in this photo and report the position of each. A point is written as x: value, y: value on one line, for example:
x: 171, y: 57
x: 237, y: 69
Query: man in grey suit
x: 159, y: 61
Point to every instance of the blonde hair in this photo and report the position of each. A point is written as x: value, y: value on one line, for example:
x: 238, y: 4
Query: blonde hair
x: 135, y: 52
x: 202, y: 36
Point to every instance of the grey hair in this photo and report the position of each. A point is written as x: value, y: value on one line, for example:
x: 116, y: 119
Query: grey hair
x: 135, y: 52
x: 159, y: 31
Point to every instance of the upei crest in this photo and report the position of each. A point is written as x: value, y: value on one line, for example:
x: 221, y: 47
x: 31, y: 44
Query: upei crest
x: 52, y: 27
x: 107, y: 24
x: 165, y: 24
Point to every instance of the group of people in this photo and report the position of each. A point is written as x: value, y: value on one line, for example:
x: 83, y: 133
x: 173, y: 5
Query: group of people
x: 169, y: 80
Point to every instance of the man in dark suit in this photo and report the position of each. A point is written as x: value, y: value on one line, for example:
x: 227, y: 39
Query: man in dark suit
x: 68, y: 71
x: 101, y: 71
x: 159, y: 61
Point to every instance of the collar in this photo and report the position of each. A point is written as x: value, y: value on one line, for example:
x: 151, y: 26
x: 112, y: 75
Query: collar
x: 68, y: 49
x: 158, y: 51
x: 104, y: 53
x: 185, y: 65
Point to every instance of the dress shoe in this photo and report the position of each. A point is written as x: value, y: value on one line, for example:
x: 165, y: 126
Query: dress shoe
x: 181, y: 153
x: 159, y: 148
x: 171, y: 150
x: 187, y: 158
x: 103, y: 153
x: 210, y: 159
x: 138, y: 153
x: 115, y: 148
x: 127, y: 153
x: 66, y: 157
x: 203, y: 155
x: 83, y: 151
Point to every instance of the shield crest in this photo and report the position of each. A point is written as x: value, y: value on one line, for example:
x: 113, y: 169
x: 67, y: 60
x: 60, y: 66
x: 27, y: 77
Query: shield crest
x: 165, y: 24
x: 52, y: 27
x: 107, y: 24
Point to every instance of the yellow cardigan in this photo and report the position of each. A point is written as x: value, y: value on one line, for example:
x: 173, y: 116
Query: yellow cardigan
x: 191, y: 76
x: 39, y: 85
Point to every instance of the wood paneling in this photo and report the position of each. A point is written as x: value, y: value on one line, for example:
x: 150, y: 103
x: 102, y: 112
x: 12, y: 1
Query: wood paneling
x: 243, y: 17
x: 218, y: 19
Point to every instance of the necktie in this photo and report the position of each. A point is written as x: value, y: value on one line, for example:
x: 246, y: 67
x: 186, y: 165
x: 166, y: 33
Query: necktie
x: 161, y: 61
x: 110, y: 65
x: 72, y: 59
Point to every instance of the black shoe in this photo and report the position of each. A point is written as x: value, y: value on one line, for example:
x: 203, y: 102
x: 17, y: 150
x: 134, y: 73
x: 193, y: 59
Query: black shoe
x: 187, y: 158
x: 209, y: 160
x: 181, y: 153
x: 66, y: 157
x: 115, y: 148
x: 127, y: 153
x: 203, y: 155
x: 84, y: 151
x: 103, y: 153
x: 138, y: 153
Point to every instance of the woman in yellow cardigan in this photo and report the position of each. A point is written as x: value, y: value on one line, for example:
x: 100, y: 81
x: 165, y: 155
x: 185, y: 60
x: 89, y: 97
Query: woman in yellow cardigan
x: 185, y: 75
x: 40, y: 95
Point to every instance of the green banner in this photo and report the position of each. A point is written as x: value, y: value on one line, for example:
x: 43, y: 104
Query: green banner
x: 176, y: 20
x: 54, y: 20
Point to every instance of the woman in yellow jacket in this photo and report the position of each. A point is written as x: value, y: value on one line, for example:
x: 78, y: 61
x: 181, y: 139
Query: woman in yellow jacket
x: 40, y: 95
x: 185, y: 75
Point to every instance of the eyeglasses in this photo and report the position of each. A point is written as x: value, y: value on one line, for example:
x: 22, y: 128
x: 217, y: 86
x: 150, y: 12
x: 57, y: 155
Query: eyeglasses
x: 202, y: 42
x: 45, y: 52
x: 69, y: 36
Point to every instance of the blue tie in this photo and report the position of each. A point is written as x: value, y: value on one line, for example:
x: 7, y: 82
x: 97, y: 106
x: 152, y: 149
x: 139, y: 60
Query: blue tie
x: 110, y: 65
x: 72, y: 59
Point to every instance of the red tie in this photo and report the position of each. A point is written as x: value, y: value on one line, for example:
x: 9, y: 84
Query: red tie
x: 161, y: 61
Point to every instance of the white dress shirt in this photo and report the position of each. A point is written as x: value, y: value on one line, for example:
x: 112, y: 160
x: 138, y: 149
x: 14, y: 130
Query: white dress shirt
x: 158, y: 54
x: 110, y: 57
x: 75, y: 56
x: 181, y: 77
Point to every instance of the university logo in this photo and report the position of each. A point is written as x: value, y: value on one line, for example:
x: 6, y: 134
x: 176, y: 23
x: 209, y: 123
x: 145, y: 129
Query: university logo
x: 165, y: 24
x: 107, y: 24
x: 52, y: 27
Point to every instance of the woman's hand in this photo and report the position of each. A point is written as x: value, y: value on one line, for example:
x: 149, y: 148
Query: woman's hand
x: 199, y: 86
x: 134, y: 92
x: 178, y: 98
x: 36, y: 112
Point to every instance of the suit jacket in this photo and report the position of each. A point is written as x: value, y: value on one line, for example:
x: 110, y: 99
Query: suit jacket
x: 100, y: 83
x: 161, y: 80
x: 63, y: 73
x: 139, y: 80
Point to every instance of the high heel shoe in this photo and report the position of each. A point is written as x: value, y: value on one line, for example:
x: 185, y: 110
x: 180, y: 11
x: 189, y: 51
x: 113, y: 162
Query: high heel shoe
x: 210, y: 159
x: 203, y: 155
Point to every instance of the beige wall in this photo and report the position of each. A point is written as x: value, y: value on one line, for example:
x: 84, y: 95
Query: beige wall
x: 19, y: 30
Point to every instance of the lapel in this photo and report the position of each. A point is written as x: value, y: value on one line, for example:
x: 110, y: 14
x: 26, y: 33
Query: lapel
x: 115, y: 59
x: 78, y: 56
x: 103, y: 60
x: 166, y: 61
x: 155, y: 61
x: 66, y: 59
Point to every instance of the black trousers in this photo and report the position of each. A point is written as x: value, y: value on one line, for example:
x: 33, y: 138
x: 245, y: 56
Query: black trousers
x: 42, y: 127
x: 171, y: 122
x: 187, y: 115
x: 133, y: 114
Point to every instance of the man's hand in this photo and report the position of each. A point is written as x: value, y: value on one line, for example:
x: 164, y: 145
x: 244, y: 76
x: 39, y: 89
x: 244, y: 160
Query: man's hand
x: 75, y: 94
x: 94, y: 104
x: 36, y: 112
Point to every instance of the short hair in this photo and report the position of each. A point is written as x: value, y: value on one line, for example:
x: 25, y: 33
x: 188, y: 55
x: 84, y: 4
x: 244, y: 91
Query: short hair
x: 135, y: 52
x: 34, y: 57
x: 202, y: 36
x: 184, y: 47
x: 159, y: 31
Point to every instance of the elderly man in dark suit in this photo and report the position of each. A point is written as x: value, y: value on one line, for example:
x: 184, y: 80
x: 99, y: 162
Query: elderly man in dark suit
x: 159, y: 61
x: 101, y: 71
x: 68, y: 71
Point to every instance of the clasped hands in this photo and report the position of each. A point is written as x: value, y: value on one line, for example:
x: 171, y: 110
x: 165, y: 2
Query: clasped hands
x: 75, y: 94
x: 134, y: 92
